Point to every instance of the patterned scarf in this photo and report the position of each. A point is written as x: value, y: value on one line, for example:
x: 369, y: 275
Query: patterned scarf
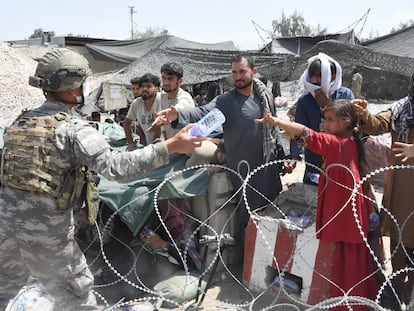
x: 269, y: 131
x: 402, y: 117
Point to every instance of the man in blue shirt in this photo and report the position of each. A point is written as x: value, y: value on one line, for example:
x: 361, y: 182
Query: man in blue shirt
x: 248, y: 144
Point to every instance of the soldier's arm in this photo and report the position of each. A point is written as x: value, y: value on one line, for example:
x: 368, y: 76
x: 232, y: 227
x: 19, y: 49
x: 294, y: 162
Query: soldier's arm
x: 92, y: 150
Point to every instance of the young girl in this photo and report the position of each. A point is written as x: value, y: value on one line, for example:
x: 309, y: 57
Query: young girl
x: 335, y: 221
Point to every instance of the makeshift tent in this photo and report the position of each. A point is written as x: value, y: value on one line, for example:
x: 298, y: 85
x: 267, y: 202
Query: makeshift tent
x: 199, y: 65
x: 300, y: 44
x: 398, y: 43
x: 129, y: 50
x: 386, y: 76
x: 133, y: 200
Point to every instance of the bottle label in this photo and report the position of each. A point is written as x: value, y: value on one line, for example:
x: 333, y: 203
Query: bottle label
x: 209, y: 123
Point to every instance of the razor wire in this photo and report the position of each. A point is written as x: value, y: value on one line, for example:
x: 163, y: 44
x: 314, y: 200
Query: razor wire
x: 283, y: 297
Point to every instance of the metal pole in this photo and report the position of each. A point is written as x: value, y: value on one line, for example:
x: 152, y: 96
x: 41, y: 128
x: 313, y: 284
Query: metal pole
x: 131, y: 11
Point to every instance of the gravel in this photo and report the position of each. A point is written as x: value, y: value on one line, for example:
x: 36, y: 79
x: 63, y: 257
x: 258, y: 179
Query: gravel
x: 15, y: 92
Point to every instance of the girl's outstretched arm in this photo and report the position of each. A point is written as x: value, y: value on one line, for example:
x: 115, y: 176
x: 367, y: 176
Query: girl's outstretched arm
x: 292, y: 129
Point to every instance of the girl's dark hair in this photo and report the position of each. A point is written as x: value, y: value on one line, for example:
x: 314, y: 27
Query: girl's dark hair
x: 344, y: 111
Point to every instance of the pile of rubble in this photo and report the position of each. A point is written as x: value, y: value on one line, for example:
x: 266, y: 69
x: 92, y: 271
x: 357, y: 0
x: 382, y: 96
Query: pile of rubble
x: 15, y: 92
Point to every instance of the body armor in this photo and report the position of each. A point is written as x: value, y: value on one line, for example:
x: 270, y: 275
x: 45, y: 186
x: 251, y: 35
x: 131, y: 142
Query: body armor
x: 26, y: 161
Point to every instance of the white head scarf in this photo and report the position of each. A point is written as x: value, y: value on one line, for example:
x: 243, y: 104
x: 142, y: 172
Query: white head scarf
x: 327, y: 86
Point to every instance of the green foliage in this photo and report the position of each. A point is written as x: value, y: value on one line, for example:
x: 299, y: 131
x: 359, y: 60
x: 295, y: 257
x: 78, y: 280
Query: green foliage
x: 295, y: 25
x: 403, y: 26
x: 151, y: 32
x: 38, y: 33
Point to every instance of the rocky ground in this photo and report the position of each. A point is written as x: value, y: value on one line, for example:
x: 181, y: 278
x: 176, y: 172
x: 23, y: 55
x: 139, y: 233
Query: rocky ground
x: 15, y: 91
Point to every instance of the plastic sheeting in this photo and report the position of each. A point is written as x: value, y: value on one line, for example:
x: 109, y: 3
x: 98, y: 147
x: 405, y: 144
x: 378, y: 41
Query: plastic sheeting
x: 134, y: 199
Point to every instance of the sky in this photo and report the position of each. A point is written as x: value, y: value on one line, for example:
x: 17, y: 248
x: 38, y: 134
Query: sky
x: 209, y: 21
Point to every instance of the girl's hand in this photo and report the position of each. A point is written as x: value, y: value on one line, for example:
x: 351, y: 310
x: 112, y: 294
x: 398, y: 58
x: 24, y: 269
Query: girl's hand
x: 267, y: 118
x: 403, y: 150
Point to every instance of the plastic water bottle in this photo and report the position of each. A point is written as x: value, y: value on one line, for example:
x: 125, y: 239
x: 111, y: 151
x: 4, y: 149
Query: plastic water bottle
x: 207, y: 124
x: 373, y: 221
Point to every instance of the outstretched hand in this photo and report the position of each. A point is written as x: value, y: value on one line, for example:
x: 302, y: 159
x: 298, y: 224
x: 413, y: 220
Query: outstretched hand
x: 267, y: 118
x: 359, y: 105
x: 182, y: 142
x: 163, y: 117
x: 403, y: 151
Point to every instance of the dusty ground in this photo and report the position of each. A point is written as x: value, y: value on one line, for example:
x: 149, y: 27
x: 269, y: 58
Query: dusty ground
x: 226, y: 292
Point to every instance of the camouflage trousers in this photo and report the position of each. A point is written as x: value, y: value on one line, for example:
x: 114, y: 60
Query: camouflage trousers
x: 38, y: 240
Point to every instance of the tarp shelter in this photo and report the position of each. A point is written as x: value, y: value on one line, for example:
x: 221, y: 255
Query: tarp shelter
x: 199, y: 65
x: 127, y: 51
x: 133, y: 200
x: 399, y: 43
x: 300, y: 44
x: 386, y: 76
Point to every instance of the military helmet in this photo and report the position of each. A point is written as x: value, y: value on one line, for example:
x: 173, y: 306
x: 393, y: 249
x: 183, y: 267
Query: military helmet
x: 59, y: 70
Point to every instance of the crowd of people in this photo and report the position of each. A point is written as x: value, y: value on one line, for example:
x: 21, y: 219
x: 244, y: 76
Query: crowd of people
x: 49, y: 155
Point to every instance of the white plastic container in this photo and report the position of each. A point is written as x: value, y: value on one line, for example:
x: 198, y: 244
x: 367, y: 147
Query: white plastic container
x: 207, y: 124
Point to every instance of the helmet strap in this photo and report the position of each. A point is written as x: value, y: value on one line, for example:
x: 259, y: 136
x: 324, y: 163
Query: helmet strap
x: 78, y: 99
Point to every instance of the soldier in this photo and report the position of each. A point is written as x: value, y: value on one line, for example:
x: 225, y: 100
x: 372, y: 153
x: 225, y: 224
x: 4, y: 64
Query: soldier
x: 47, y: 155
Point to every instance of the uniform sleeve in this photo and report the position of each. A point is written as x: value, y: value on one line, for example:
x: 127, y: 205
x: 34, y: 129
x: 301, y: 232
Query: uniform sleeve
x: 376, y: 124
x: 125, y: 165
x: 90, y: 148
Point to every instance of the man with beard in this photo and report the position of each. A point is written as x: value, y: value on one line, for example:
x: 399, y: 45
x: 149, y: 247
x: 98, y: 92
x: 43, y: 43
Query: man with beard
x: 173, y: 95
x: 247, y: 143
x: 142, y: 111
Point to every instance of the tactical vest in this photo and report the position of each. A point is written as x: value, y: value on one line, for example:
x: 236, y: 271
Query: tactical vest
x: 26, y: 160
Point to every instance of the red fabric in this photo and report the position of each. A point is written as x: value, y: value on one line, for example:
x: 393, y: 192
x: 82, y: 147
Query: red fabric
x: 173, y: 213
x: 334, y: 213
x: 348, y: 270
x: 336, y: 221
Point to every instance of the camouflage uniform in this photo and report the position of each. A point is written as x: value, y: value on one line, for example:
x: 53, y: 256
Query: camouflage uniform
x: 36, y: 238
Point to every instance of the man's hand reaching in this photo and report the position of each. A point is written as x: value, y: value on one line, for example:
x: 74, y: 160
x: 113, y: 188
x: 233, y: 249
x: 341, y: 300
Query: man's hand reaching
x: 163, y: 117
